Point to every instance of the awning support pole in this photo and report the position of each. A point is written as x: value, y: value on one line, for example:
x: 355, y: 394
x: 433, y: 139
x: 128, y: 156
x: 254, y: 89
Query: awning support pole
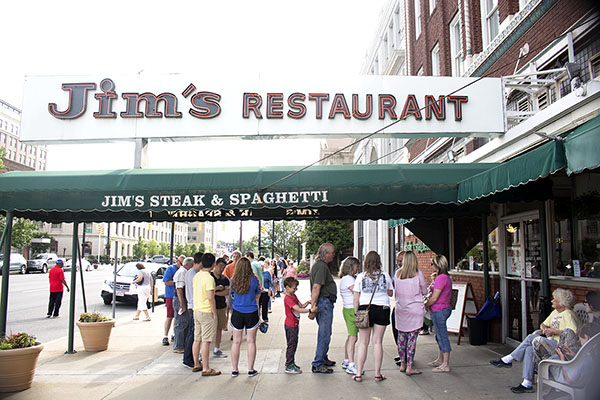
x: 74, y: 250
x: 172, y: 260
x: 486, y: 257
x: 546, y: 296
x: 80, y: 272
x: 7, y: 237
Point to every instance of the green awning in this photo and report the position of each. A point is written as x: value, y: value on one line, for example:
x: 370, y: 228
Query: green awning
x: 582, y: 147
x: 328, y: 191
x: 397, y: 222
x: 538, y: 163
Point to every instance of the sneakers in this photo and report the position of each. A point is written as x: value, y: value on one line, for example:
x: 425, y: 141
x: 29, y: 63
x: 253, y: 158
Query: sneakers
x: 329, y: 363
x: 352, y: 369
x: 521, y: 389
x: 165, y: 341
x: 252, y: 372
x: 345, y: 364
x: 235, y: 373
x: 179, y: 351
x: 293, y: 369
x: 219, y: 354
x: 322, y: 370
x: 500, y: 364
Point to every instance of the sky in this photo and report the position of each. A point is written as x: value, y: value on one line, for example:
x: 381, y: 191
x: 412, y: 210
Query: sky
x: 198, y: 38
x: 64, y: 37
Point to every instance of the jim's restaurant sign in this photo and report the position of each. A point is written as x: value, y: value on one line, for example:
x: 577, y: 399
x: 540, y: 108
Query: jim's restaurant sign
x: 171, y: 107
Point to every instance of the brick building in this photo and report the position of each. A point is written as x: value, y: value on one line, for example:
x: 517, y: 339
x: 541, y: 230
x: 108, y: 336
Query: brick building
x: 543, y: 231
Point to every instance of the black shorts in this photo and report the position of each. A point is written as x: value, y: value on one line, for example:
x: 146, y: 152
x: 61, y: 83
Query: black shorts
x: 239, y: 320
x: 379, y: 315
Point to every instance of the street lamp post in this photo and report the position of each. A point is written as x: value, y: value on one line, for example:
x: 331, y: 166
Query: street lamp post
x: 298, y: 257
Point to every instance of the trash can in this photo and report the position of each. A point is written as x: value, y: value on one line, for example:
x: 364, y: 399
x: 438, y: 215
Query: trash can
x: 477, y: 331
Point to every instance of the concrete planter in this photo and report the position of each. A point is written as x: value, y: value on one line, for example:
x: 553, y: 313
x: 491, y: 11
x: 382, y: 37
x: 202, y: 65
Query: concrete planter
x: 17, y: 368
x: 95, y: 335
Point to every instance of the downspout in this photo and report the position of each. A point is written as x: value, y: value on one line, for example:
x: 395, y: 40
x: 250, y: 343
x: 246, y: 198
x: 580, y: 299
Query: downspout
x: 7, y: 236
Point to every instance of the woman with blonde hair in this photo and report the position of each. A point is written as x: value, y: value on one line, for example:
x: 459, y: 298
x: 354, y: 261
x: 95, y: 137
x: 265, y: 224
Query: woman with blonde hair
x: 409, y: 289
x: 439, y: 302
x: 347, y: 276
x: 372, y: 289
x: 244, y: 314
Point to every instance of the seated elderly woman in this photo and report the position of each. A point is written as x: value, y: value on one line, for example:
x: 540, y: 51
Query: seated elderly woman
x: 561, y: 318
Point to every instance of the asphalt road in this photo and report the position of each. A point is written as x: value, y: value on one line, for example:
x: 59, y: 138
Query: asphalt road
x: 28, y: 303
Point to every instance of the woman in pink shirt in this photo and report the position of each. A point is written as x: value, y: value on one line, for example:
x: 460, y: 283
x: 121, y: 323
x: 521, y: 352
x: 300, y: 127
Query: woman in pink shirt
x: 440, y: 312
x: 409, y: 289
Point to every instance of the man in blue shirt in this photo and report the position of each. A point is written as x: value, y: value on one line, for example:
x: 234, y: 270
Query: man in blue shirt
x: 169, y: 293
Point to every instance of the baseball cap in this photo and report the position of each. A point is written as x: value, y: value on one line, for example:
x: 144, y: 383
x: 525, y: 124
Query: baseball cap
x: 59, y: 261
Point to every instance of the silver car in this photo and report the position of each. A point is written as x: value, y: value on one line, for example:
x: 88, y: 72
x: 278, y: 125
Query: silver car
x: 126, y: 292
x: 42, y: 262
x: 17, y: 263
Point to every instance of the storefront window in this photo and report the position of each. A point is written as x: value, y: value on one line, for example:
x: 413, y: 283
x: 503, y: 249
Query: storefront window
x: 473, y: 260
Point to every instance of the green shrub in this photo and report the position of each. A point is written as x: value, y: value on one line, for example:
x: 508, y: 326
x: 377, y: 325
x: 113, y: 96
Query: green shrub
x: 17, y: 341
x: 92, y: 317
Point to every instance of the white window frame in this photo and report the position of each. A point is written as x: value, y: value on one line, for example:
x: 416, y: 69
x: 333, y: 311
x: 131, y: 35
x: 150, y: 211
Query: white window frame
x: 489, y: 17
x: 417, y: 4
x: 455, y: 46
x: 399, y: 35
x: 432, y: 4
x: 435, y: 60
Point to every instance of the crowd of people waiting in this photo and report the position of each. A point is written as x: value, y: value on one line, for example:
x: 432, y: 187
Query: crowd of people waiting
x: 206, y: 296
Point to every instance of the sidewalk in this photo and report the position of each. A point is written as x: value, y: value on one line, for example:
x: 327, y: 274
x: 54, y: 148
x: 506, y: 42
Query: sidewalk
x: 137, y: 366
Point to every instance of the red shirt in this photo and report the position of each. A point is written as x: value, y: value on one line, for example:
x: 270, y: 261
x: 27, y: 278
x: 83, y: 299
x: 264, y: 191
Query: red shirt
x: 229, y: 270
x: 292, y: 317
x: 56, y: 276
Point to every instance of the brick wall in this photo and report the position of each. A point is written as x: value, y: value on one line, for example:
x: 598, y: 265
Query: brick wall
x: 418, y: 146
x: 578, y: 291
x: 556, y: 21
x: 506, y: 8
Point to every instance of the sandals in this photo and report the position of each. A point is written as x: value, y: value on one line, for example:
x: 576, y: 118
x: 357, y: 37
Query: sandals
x: 380, y: 378
x: 440, y: 369
x: 211, y: 372
x: 357, y: 378
x: 414, y: 372
x: 435, y: 363
x: 136, y: 318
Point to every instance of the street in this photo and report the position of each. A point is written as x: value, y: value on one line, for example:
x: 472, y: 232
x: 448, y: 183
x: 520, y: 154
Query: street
x: 28, y: 303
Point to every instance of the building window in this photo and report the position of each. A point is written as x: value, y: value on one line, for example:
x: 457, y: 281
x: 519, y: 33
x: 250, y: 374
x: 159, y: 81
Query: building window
x: 455, y: 46
x: 384, y: 48
x: 399, y: 27
x: 489, y: 20
x: 417, y: 18
x: 435, y: 60
x: 431, y: 6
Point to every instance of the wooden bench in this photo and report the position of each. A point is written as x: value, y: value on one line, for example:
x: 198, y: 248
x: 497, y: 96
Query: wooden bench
x: 591, y: 347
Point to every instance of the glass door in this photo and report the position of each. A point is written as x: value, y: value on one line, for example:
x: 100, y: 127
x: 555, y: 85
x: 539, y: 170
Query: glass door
x: 522, y: 275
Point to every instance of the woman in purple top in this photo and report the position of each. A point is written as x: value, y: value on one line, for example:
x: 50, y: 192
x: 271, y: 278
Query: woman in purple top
x: 440, y: 312
x: 409, y: 289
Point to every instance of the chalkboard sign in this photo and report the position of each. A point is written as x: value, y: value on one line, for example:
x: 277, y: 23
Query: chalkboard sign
x: 465, y: 305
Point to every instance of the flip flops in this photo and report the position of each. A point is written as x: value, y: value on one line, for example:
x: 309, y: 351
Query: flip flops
x: 434, y: 363
x: 211, y: 372
x: 440, y: 369
x: 415, y: 372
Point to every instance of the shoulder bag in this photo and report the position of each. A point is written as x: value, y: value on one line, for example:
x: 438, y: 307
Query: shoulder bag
x: 361, y: 317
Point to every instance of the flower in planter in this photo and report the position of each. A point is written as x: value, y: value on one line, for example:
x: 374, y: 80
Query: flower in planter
x: 17, y: 341
x: 92, y: 317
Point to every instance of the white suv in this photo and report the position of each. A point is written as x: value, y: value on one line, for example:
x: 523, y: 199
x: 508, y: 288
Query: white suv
x: 42, y: 262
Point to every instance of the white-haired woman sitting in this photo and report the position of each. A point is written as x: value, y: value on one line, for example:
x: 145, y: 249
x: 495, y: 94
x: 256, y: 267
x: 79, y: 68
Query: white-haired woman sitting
x: 561, y: 318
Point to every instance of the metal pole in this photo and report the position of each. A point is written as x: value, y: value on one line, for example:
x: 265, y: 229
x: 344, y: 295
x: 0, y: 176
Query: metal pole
x: 153, y: 289
x: 7, y: 236
x: 83, y: 241
x: 172, y: 241
x: 486, y: 257
x: 241, y: 247
x: 546, y: 295
x: 259, y: 238
x: 81, y: 274
x: 75, y: 248
x: 108, y: 241
x: 273, y: 241
x: 114, y: 302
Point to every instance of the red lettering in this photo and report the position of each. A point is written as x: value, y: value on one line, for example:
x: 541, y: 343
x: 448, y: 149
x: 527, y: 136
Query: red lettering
x: 252, y: 102
x: 339, y: 106
x: 318, y: 98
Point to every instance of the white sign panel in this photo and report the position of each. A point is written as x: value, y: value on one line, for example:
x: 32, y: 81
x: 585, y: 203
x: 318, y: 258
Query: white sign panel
x: 172, y: 107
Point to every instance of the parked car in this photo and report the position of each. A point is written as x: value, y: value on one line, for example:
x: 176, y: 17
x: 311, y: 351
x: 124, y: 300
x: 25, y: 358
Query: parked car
x: 125, y: 291
x: 86, y: 265
x: 17, y: 263
x: 160, y: 259
x: 42, y: 262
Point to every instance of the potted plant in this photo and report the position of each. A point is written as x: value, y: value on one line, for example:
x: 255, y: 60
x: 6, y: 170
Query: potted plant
x: 18, y: 360
x: 95, y: 331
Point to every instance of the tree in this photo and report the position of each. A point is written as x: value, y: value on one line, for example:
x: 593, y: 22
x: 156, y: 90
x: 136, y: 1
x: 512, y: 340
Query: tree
x: 165, y: 249
x: 37, y: 248
x: 251, y: 245
x: 193, y: 249
x: 338, y: 233
x: 202, y: 247
x: 179, y: 249
x: 286, y: 238
x: 152, y: 248
x: 2, y: 155
x: 139, y: 249
x: 22, y: 231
